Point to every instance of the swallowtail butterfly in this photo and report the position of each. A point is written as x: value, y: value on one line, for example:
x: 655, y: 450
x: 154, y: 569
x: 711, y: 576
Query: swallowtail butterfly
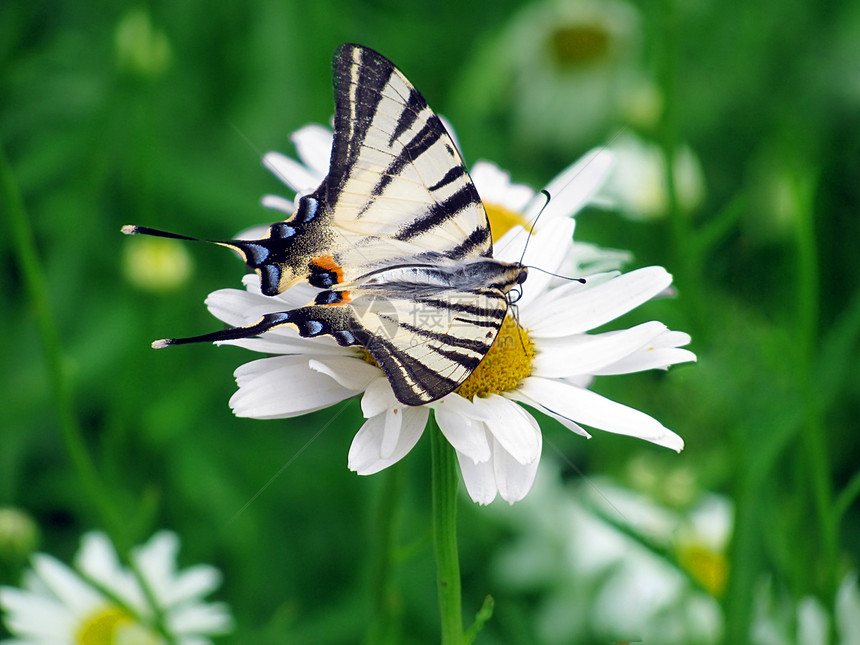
x: 396, y: 239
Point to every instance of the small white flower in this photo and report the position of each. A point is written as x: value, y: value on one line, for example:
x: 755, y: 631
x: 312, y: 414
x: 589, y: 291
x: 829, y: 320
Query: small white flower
x: 498, y: 442
x: 637, y: 183
x: 564, y: 71
x: 595, y: 581
x: 101, y: 601
x: 780, y: 621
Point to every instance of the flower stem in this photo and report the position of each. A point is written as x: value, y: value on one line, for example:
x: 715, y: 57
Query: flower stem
x: 814, y: 449
x: 35, y: 285
x: 445, y: 482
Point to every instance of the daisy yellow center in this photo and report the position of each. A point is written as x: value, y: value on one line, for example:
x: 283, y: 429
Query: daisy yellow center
x: 503, y: 220
x: 112, y: 625
x: 576, y: 46
x: 706, y: 566
x: 507, y: 363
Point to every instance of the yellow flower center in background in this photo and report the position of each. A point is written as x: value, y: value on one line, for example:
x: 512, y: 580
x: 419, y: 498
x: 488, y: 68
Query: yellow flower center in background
x: 507, y: 363
x: 576, y: 46
x: 709, y: 568
x: 503, y: 220
x: 111, y: 625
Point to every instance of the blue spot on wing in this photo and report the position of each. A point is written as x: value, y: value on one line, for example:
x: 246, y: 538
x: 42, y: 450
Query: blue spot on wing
x: 311, y: 328
x: 270, y: 276
x: 344, y: 338
x: 255, y: 253
x: 282, y: 230
x: 308, y: 208
x: 278, y: 318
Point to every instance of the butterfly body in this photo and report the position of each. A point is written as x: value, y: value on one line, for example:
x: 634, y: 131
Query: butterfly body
x: 396, y: 237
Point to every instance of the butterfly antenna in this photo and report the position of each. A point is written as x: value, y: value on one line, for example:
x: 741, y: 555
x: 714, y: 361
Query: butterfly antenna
x: 546, y: 194
x: 131, y: 229
x: 555, y: 275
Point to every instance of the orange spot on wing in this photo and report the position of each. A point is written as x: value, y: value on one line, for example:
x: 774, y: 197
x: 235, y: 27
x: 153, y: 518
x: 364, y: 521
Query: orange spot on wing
x: 345, y: 297
x: 327, y: 263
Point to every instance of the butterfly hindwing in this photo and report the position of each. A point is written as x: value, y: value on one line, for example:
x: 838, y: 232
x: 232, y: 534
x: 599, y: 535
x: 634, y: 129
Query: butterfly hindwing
x: 427, y: 346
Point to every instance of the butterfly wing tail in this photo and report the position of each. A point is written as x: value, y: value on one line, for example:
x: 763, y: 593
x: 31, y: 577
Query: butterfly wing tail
x: 310, y: 321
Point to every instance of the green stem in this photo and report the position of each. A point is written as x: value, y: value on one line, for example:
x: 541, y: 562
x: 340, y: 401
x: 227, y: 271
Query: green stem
x: 445, y: 481
x: 814, y: 439
x: 35, y: 286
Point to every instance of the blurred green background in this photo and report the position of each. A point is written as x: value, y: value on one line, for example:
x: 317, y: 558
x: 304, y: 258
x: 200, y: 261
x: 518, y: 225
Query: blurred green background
x: 158, y: 113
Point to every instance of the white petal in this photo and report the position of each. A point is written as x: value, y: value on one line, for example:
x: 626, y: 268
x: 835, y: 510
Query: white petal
x: 378, y: 397
x: 64, y: 584
x: 571, y: 190
x: 291, y: 172
x: 275, y: 203
x: 37, y: 617
x: 479, y: 478
x: 514, y: 428
x: 237, y: 307
x: 520, y: 396
x: 97, y: 559
x: 648, y: 359
x: 585, y: 354
x: 350, y: 372
x: 192, y: 583
x: 660, y: 353
x: 210, y: 618
x: 390, y: 433
x: 812, y: 622
x: 848, y: 610
x: 584, y: 406
x: 156, y: 561
x: 495, y: 187
x: 281, y: 341
x: 313, y: 145
x: 365, y: 452
x: 513, y: 479
x: 546, y: 250
x: 283, y: 386
x: 568, y: 310
x: 454, y: 414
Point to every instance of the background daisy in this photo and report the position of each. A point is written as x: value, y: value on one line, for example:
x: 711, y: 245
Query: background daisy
x: 100, y: 601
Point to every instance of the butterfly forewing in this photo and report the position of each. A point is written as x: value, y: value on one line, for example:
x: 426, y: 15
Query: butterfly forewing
x: 397, y: 185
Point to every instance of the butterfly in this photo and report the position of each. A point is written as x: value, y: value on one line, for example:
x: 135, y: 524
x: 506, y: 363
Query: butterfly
x: 395, y: 237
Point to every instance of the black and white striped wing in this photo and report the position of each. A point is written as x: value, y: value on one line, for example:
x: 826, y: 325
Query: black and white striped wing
x: 428, y: 345
x: 397, y: 186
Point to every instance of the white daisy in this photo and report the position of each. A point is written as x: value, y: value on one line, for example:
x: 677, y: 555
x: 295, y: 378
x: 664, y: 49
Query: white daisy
x: 497, y: 441
x: 780, y: 620
x: 101, y: 601
x: 637, y: 183
x: 596, y: 583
